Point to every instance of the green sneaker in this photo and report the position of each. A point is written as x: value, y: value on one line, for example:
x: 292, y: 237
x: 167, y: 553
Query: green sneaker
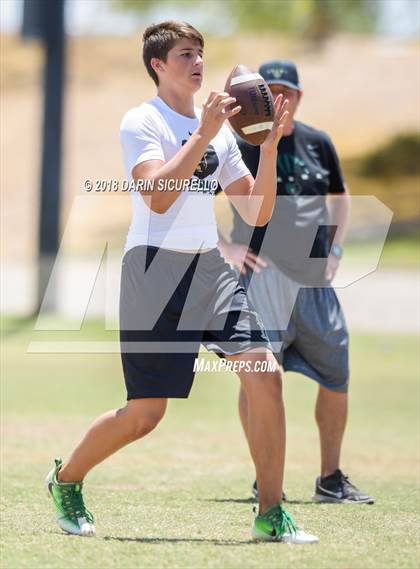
x: 72, y: 516
x: 278, y: 525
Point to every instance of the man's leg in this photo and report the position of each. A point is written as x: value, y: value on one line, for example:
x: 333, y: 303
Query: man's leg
x: 331, y: 418
x: 110, y: 432
x: 263, y: 418
x: 333, y: 485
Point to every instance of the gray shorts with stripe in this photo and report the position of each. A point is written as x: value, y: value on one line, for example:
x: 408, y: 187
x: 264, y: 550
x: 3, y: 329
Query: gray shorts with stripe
x: 306, y: 326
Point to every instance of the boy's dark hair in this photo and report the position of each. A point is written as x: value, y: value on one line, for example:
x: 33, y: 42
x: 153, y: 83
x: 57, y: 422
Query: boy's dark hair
x: 158, y: 39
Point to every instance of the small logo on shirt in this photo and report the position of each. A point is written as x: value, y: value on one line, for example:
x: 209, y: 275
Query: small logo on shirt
x: 208, y: 163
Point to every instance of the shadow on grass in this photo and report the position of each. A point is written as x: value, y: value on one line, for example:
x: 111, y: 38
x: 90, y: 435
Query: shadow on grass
x: 160, y: 540
x: 253, y: 501
x: 230, y: 500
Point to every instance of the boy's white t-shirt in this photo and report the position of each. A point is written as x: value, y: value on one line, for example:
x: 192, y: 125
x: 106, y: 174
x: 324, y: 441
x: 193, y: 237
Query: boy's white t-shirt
x: 153, y: 131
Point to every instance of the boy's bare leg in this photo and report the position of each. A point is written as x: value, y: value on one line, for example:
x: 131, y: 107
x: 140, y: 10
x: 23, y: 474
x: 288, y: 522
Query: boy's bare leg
x: 266, y: 429
x: 110, y: 432
x: 243, y: 410
x: 243, y: 407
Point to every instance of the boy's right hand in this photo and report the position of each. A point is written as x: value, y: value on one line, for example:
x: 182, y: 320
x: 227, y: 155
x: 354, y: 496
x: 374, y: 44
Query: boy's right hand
x: 215, y: 113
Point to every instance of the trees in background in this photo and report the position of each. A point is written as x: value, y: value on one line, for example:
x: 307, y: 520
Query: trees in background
x: 313, y: 20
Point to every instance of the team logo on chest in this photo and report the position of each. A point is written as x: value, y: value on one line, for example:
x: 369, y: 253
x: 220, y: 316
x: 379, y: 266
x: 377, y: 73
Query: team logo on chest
x: 208, y: 163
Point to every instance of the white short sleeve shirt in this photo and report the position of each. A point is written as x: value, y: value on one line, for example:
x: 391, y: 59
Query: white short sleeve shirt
x: 153, y: 131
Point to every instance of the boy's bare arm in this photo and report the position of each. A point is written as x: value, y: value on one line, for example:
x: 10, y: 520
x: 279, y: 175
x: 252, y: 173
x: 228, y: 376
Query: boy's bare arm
x: 255, y: 199
x: 185, y: 161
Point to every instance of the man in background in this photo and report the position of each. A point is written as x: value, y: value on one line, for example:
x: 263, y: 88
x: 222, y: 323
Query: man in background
x: 292, y: 292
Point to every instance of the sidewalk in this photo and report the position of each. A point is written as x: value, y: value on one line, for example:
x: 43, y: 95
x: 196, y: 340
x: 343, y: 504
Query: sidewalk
x: 387, y: 300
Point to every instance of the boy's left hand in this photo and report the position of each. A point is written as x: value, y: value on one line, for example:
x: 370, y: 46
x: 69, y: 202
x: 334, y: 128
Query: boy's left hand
x: 280, y: 116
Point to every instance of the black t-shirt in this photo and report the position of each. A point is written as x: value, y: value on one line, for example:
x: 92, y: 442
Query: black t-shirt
x: 297, y: 238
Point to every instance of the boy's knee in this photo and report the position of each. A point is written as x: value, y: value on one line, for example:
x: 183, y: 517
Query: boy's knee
x: 145, y: 415
x: 268, y: 384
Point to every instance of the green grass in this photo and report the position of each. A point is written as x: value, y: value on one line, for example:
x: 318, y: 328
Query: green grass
x: 398, y: 252
x: 180, y: 497
x: 402, y: 251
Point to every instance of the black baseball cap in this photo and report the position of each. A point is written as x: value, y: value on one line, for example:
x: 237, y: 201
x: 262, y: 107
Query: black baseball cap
x: 280, y: 72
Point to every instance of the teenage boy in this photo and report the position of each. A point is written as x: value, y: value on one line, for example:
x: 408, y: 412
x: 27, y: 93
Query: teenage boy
x: 173, y: 234
x: 311, y: 331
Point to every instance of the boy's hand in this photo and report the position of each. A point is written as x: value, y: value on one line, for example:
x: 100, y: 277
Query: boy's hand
x: 280, y: 116
x: 215, y: 112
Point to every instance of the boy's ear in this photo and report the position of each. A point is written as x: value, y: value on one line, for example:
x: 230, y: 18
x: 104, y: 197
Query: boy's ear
x: 156, y: 64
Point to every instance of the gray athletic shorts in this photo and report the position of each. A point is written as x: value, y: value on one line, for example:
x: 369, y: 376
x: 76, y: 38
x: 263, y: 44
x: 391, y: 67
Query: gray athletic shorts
x: 306, y: 326
x: 181, y: 301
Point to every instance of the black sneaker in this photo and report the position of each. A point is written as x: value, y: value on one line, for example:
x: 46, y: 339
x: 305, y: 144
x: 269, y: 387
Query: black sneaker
x: 338, y: 489
x: 255, y: 492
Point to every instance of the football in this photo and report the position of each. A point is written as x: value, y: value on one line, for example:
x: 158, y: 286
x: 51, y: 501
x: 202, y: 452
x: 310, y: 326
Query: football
x: 254, y: 121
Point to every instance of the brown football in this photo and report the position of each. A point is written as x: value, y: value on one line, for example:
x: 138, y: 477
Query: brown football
x: 254, y: 121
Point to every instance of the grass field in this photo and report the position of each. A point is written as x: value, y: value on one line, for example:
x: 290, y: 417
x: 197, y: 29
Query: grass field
x: 180, y: 497
x: 398, y: 252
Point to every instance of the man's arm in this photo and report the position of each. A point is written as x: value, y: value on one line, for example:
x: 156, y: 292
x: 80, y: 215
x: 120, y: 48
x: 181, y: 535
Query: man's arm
x: 255, y: 199
x: 338, y: 204
x: 185, y: 161
x: 339, y: 214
